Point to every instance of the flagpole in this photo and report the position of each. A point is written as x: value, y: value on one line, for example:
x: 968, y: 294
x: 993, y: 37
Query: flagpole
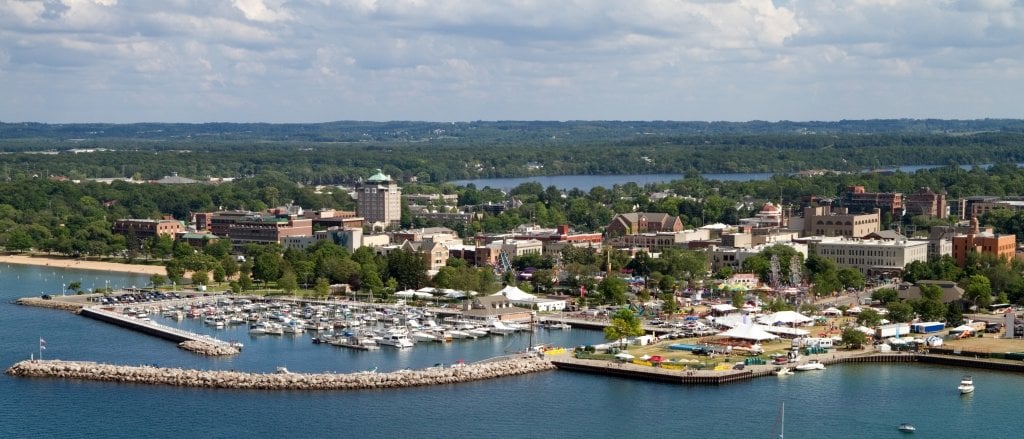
x: 40, y: 349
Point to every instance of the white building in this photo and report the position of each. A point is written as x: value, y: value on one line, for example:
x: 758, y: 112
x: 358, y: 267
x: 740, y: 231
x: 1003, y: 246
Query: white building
x: 872, y: 257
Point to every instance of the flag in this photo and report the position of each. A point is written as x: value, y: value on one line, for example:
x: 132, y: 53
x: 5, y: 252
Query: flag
x: 42, y: 343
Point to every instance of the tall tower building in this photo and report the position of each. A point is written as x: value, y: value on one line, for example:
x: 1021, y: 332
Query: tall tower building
x: 379, y: 200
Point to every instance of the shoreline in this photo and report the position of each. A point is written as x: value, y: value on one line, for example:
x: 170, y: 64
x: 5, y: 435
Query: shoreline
x: 42, y: 261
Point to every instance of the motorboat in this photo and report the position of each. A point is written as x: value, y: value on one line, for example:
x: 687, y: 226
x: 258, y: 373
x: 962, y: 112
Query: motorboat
x: 477, y: 332
x: 396, y: 340
x: 455, y: 333
x: 422, y: 336
x: 811, y: 365
x: 906, y: 428
x: 500, y: 328
x: 783, y: 371
x: 966, y: 385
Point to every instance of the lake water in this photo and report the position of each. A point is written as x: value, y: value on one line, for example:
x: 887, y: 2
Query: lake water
x: 845, y: 401
x: 588, y: 182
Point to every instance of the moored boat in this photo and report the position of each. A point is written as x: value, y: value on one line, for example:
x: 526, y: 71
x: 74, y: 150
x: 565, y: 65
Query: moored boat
x: 966, y: 385
x: 906, y: 428
x: 811, y: 365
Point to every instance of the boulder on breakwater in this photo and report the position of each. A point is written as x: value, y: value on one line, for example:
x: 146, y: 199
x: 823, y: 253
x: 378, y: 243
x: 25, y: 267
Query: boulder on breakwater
x: 276, y: 381
x: 210, y: 349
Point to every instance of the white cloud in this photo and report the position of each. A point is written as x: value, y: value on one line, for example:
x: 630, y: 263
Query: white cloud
x: 273, y: 60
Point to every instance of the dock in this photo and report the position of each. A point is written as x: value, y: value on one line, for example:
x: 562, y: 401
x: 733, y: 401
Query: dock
x: 149, y: 327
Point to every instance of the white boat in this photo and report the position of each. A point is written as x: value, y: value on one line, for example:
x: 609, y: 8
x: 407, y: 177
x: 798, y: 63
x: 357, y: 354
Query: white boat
x: 783, y: 371
x: 477, y: 332
x: 811, y: 365
x: 419, y: 336
x: 966, y: 385
x: 497, y: 327
x: 396, y: 340
x: 455, y: 333
x: 560, y: 325
x: 906, y: 428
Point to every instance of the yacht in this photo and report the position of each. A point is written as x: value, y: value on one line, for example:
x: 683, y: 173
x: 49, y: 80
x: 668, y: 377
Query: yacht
x: 906, y: 428
x: 497, y: 327
x: 966, y: 385
x: 456, y: 333
x: 477, y: 332
x: 783, y: 371
x: 396, y: 340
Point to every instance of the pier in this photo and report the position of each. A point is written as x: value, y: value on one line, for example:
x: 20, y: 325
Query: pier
x: 191, y: 341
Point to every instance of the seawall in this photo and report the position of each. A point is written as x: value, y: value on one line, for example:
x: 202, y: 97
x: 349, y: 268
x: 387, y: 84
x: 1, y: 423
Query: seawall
x: 51, y: 304
x: 275, y: 381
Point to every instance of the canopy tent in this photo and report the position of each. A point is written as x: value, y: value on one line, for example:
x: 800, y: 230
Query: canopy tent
x: 787, y: 331
x: 749, y: 332
x: 865, y: 330
x: 624, y: 356
x: 514, y: 293
x: 406, y: 294
x: 784, y: 317
x: 854, y: 310
x: 832, y: 311
x: 962, y: 328
x: 420, y: 295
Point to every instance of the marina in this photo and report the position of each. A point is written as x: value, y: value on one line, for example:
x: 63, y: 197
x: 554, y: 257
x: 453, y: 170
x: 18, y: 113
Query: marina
x: 874, y: 384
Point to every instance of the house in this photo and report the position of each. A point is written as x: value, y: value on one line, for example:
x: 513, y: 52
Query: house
x: 950, y: 291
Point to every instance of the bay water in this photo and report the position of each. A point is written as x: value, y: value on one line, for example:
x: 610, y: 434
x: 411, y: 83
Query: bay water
x: 845, y: 401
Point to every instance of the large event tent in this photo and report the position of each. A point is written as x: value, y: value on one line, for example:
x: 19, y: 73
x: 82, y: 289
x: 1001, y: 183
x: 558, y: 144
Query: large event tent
x: 749, y: 332
x: 784, y: 317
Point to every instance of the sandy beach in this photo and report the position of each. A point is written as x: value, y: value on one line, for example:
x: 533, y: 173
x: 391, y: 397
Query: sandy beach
x: 83, y: 265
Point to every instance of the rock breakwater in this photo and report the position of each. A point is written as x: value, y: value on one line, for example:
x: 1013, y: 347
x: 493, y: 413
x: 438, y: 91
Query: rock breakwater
x: 52, y: 304
x: 210, y: 349
x: 276, y: 381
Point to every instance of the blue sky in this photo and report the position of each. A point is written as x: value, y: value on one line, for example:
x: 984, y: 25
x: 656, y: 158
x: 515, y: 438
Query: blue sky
x: 448, y: 60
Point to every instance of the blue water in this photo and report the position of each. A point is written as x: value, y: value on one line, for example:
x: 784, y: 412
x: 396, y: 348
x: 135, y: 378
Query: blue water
x: 848, y: 401
x: 588, y: 182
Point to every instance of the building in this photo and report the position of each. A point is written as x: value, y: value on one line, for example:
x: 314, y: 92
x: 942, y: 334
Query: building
x: 143, y: 229
x: 495, y: 308
x: 328, y: 218
x: 964, y: 207
x: 857, y: 200
x: 379, y: 200
x: 348, y: 238
x: 733, y: 257
x: 245, y: 227
x: 975, y: 241
x: 770, y: 216
x: 657, y: 241
x: 874, y: 258
x: 978, y: 209
x: 926, y: 202
x: 821, y: 221
x: 950, y: 291
x: 635, y: 223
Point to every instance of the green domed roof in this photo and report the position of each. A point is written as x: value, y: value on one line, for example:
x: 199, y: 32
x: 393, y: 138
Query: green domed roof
x: 378, y: 177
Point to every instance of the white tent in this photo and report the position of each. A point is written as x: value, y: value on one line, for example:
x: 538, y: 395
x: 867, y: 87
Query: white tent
x: 749, y: 332
x: 514, y: 293
x: 832, y: 311
x: 962, y: 328
x: 865, y: 330
x: 723, y: 308
x: 420, y: 295
x: 405, y: 294
x: 624, y: 356
x: 784, y: 317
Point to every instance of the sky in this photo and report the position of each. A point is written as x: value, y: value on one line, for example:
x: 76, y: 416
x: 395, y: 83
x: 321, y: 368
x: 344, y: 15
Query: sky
x: 121, y: 61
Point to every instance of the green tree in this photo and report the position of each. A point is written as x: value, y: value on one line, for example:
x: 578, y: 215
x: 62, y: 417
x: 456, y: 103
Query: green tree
x: 899, y: 311
x: 322, y: 287
x: 200, y: 278
x: 624, y: 324
x: 850, y: 278
x: 853, y: 338
x: 978, y: 290
x: 954, y: 315
x: 613, y: 290
x: 869, y: 317
x: 288, y: 282
x: 885, y: 295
